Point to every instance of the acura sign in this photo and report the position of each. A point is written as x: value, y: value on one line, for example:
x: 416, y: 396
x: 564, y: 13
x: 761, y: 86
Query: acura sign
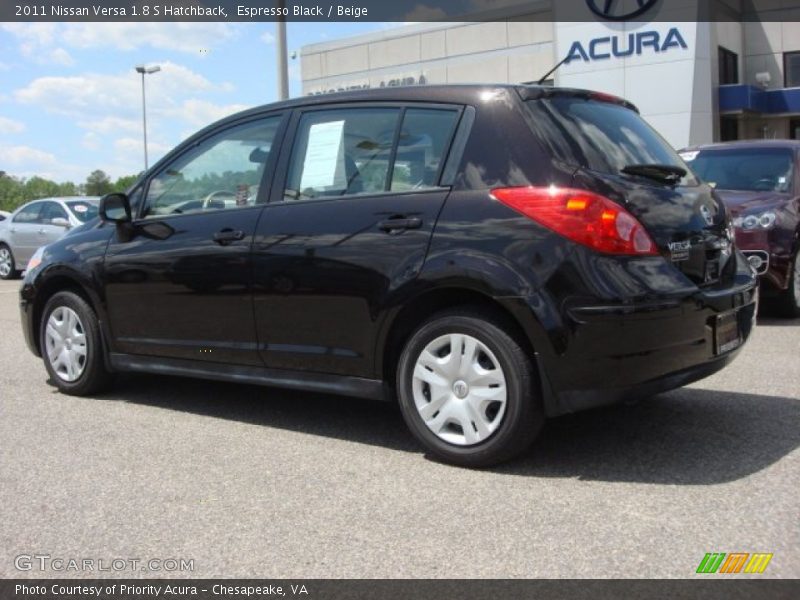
x: 620, y: 46
x: 614, y: 10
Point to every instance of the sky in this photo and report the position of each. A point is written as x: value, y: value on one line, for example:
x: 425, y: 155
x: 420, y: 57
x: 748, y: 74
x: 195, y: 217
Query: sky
x: 70, y: 99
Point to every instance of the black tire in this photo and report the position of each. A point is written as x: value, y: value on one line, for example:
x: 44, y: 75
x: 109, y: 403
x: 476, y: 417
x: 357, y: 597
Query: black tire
x: 13, y: 273
x: 94, y: 377
x: 523, y: 417
x: 788, y: 302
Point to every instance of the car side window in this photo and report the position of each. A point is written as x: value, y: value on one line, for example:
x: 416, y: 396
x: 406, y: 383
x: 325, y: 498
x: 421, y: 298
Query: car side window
x: 222, y: 172
x: 424, y: 138
x: 50, y: 211
x: 29, y: 214
x: 341, y: 152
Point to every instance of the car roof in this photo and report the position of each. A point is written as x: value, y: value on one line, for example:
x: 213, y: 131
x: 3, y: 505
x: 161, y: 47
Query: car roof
x: 461, y: 93
x: 754, y: 144
x: 458, y: 93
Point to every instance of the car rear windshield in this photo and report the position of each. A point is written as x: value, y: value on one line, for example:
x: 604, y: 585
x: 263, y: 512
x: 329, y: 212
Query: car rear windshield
x: 83, y: 211
x: 747, y: 169
x: 601, y: 136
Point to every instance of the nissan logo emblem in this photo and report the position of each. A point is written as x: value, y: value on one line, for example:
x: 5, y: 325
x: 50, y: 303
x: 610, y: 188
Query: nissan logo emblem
x: 611, y: 11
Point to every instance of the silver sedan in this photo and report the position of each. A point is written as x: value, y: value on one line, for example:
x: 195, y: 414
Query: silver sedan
x: 37, y: 224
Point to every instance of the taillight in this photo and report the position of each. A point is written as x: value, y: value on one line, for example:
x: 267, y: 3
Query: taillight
x: 581, y: 216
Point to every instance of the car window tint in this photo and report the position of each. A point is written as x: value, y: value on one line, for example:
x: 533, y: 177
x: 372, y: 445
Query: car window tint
x: 50, y: 211
x: 29, y: 214
x: 222, y: 172
x: 421, y: 146
x: 601, y: 136
x: 341, y: 152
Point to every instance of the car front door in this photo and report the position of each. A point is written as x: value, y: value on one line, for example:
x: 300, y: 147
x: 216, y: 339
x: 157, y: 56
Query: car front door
x: 48, y: 231
x: 347, y: 225
x: 178, y: 281
x: 24, y: 233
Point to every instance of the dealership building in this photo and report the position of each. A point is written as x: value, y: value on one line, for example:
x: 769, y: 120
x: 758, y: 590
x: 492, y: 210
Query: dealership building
x: 728, y: 77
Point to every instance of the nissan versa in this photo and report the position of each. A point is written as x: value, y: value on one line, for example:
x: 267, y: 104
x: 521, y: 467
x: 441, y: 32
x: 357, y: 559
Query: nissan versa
x: 488, y: 255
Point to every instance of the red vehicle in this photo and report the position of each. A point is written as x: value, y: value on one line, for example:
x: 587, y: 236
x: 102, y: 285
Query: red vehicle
x: 759, y: 181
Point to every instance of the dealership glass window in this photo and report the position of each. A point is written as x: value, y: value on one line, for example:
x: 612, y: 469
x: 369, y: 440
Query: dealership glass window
x: 791, y: 69
x: 794, y: 129
x: 424, y: 137
x: 341, y: 152
x: 728, y: 129
x: 222, y: 172
x: 728, y: 67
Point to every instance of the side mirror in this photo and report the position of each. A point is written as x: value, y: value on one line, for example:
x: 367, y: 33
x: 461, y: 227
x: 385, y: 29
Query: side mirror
x: 115, y: 208
x: 60, y: 222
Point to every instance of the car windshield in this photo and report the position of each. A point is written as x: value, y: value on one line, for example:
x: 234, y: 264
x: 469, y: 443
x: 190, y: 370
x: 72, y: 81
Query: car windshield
x: 601, y: 136
x: 746, y: 169
x: 83, y: 211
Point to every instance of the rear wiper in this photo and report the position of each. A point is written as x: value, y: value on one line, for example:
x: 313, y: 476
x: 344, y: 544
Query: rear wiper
x: 664, y: 173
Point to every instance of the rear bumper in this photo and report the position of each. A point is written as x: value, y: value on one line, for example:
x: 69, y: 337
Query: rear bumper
x: 611, y: 353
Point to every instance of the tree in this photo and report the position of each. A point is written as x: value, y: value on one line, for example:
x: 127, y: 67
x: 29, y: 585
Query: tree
x: 38, y: 187
x: 98, y: 183
x: 123, y: 183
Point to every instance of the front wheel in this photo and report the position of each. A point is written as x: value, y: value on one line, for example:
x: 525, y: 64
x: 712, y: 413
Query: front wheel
x: 8, y: 268
x: 71, y: 345
x: 789, y: 300
x: 467, y: 390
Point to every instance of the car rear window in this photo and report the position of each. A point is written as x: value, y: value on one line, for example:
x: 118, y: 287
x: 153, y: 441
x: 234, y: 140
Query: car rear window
x: 747, y: 169
x: 83, y: 211
x: 600, y: 136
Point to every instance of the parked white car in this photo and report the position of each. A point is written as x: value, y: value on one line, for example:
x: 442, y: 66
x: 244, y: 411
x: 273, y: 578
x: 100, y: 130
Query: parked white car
x: 39, y: 223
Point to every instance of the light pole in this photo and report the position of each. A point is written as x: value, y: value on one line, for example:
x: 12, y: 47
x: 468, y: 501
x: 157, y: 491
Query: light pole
x: 282, y: 65
x: 145, y: 71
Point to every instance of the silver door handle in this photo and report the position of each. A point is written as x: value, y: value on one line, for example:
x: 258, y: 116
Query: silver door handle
x: 41, y: 232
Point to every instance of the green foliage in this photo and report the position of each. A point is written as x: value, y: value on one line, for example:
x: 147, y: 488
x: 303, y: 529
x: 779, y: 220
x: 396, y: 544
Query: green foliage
x: 98, y: 183
x: 124, y: 183
x: 16, y: 191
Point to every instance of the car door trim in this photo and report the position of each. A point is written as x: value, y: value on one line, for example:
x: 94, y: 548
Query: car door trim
x: 359, y: 387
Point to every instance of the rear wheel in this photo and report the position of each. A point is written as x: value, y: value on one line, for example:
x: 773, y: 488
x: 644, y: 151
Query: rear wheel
x: 71, y: 345
x: 467, y: 390
x: 789, y: 300
x: 8, y: 268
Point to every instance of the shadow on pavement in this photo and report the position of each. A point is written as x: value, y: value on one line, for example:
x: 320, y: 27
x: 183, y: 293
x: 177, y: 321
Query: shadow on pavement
x: 777, y: 322
x: 686, y: 437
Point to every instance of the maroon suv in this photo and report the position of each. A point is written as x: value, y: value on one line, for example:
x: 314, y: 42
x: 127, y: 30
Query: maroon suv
x: 759, y: 180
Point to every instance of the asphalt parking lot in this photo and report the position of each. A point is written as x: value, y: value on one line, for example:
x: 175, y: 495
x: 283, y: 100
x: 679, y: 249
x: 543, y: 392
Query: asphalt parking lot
x: 249, y: 481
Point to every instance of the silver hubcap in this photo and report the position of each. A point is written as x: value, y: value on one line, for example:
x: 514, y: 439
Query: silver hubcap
x: 65, y: 340
x: 5, y: 262
x: 459, y: 389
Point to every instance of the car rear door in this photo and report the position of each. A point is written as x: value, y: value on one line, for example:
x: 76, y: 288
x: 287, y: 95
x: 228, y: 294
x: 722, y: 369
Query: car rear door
x: 348, y: 225
x: 178, y: 283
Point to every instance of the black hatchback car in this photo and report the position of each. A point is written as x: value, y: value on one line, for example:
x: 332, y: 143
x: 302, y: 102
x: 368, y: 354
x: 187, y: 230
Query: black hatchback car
x: 487, y: 255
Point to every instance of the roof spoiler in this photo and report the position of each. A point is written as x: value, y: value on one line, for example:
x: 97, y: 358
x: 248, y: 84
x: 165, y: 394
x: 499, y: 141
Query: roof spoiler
x: 535, y: 92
